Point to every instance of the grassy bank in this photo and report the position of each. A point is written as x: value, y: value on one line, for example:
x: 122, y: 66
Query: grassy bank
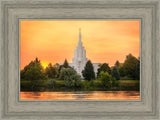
x: 96, y: 85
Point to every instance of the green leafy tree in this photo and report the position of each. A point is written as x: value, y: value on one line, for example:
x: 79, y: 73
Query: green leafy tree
x: 105, y: 79
x: 105, y: 68
x: 121, y: 71
x: 70, y: 77
x: 115, y: 73
x: 88, y: 72
x: 65, y: 65
x: 51, y: 71
x: 131, y: 65
x: 22, y: 74
x: 33, y: 71
x: 137, y: 76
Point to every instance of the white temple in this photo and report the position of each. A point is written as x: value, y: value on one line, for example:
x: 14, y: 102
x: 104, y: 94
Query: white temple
x: 79, y: 60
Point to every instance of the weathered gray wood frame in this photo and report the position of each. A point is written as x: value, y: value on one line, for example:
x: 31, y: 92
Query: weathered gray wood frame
x: 14, y: 10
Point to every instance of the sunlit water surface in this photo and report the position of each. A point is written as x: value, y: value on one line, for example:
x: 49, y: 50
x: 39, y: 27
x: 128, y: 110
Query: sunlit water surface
x: 79, y: 95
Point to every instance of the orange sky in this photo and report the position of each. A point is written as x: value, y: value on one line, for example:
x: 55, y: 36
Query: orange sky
x: 53, y: 41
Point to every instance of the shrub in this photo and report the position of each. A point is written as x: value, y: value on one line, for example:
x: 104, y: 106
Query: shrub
x: 77, y: 81
x: 115, y: 83
x: 35, y: 85
x: 51, y: 84
x: 88, y: 85
x: 70, y: 77
x: 105, y: 79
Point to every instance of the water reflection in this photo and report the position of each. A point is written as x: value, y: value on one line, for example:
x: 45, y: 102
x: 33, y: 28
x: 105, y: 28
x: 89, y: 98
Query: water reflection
x: 79, y: 95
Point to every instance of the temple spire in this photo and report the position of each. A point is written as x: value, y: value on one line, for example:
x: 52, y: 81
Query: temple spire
x: 79, y: 60
x: 80, y: 35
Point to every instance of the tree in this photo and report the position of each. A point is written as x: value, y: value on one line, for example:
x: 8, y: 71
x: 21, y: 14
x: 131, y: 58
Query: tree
x: 65, y: 64
x: 121, y: 71
x: 137, y: 76
x: 70, y: 77
x: 51, y: 71
x: 88, y: 72
x: 105, y: 68
x: 131, y: 66
x: 56, y: 65
x: 117, y: 64
x: 33, y: 71
x: 115, y: 73
x: 105, y: 79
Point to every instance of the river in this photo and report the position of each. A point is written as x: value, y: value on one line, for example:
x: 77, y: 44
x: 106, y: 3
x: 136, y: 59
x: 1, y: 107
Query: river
x: 81, y: 95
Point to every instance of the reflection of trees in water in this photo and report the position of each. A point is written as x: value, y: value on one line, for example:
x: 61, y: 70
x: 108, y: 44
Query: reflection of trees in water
x: 82, y: 95
x: 37, y: 93
x: 132, y: 93
x: 79, y: 96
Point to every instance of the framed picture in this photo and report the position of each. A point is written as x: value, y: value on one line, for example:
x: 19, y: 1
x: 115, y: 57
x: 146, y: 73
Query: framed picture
x: 80, y: 59
x: 86, y: 67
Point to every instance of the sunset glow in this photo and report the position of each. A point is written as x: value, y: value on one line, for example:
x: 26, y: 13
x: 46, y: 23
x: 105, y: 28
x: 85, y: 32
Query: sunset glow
x: 45, y: 63
x: 53, y: 41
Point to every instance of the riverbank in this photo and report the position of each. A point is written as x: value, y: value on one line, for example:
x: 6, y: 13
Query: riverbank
x: 94, y: 85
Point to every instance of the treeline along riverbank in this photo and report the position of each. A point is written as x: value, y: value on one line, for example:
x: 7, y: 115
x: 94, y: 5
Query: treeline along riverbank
x: 93, y: 85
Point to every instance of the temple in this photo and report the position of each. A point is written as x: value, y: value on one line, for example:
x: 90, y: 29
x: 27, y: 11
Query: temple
x: 79, y: 60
